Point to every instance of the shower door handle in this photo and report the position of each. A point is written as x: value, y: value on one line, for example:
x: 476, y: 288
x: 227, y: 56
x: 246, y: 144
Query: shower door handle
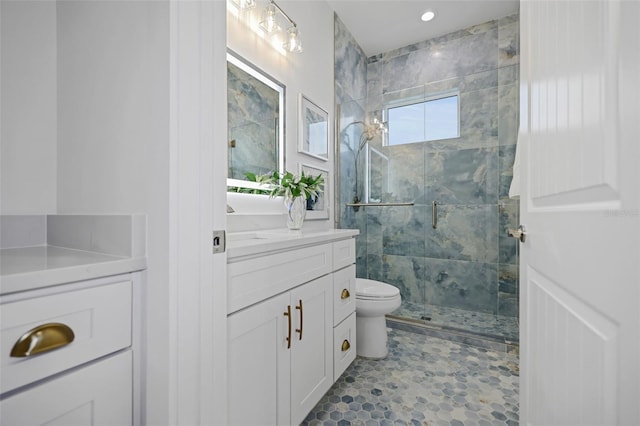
x: 519, y: 234
x: 434, y: 214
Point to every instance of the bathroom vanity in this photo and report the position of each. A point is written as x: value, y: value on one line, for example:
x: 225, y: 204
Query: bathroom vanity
x: 69, y: 327
x: 291, y: 321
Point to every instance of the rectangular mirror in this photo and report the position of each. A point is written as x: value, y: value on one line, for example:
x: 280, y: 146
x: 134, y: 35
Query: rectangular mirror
x: 255, y: 104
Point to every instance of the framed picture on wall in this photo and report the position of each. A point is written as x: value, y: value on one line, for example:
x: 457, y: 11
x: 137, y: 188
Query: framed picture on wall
x: 318, y: 208
x: 313, y: 129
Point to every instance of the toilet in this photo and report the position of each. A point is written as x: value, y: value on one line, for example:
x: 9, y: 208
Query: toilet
x: 374, y: 299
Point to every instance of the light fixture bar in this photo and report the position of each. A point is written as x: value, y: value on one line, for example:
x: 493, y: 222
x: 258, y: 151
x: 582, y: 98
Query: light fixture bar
x: 291, y: 21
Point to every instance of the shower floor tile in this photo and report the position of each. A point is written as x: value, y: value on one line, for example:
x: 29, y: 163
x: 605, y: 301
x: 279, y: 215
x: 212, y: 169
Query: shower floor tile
x: 474, y: 322
x: 424, y: 381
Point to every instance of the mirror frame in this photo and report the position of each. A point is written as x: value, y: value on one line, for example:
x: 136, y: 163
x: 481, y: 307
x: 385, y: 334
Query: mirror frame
x: 304, y: 145
x: 265, y: 78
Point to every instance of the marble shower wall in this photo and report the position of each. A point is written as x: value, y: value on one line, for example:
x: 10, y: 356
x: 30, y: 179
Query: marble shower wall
x: 468, y: 262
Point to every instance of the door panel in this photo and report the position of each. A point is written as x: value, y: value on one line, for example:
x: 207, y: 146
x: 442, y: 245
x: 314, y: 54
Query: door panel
x: 311, y: 355
x: 580, y: 204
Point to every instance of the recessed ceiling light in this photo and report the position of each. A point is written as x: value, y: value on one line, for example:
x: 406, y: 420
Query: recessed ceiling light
x: 428, y: 15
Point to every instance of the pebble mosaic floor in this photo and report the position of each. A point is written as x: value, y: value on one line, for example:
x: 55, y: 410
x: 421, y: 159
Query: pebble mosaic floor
x: 425, y: 381
x: 474, y: 322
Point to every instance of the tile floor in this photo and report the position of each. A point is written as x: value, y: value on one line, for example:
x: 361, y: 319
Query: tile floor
x: 424, y: 381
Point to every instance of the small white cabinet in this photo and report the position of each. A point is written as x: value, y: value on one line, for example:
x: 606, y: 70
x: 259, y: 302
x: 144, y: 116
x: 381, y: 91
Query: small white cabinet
x: 88, y: 379
x: 286, y: 344
x: 280, y: 358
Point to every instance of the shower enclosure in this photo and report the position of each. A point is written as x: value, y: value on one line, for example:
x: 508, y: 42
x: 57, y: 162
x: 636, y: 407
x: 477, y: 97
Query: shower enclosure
x: 432, y: 204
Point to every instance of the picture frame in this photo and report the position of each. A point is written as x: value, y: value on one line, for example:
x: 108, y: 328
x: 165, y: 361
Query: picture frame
x: 313, y: 129
x: 318, y: 209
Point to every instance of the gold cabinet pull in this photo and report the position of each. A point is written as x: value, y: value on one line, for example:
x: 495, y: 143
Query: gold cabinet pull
x: 288, y: 315
x: 345, y: 294
x: 345, y: 345
x: 299, y: 330
x: 43, y: 338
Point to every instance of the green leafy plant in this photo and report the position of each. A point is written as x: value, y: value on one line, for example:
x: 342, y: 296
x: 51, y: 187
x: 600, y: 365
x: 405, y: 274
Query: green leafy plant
x: 252, y: 177
x: 291, y: 186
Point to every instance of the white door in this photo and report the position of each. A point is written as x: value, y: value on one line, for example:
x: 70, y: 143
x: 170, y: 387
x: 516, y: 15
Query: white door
x: 580, y: 299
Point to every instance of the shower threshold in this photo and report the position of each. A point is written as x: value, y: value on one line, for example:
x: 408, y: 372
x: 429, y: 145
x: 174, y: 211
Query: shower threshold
x: 454, y: 334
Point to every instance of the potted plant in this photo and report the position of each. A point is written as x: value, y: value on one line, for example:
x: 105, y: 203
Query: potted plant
x: 296, y: 190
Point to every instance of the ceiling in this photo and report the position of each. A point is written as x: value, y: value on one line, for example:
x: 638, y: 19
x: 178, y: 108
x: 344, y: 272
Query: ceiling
x: 383, y: 25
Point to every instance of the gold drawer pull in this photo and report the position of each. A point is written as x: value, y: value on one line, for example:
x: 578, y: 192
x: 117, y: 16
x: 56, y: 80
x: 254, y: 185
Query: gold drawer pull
x: 43, y: 338
x: 345, y: 294
x: 345, y: 345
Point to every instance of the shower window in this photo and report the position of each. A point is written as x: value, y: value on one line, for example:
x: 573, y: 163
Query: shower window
x: 418, y: 120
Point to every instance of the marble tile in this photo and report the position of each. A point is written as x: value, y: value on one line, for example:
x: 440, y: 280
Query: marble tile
x: 403, y: 230
x: 509, y: 40
x: 508, y: 106
x: 508, y: 292
x: 466, y: 176
x: 406, y: 273
x: 425, y: 44
x: 508, y: 217
x: 441, y: 60
x: 509, y: 75
x: 374, y: 79
x: 479, y: 115
x: 464, y: 233
x: 471, y: 286
x: 424, y: 381
x: 350, y: 64
x: 506, y: 157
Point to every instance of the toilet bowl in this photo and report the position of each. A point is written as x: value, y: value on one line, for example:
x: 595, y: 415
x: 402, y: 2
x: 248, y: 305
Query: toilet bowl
x: 374, y: 299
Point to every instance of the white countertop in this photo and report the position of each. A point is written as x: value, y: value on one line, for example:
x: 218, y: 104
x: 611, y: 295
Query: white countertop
x: 243, y: 244
x: 29, y: 268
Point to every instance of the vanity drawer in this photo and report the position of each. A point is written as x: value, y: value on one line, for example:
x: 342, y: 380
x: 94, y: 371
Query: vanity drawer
x: 344, y: 293
x: 98, y: 394
x: 99, y: 317
x: 253, y: 280
x: 344, y: 253
x: 344, y: 345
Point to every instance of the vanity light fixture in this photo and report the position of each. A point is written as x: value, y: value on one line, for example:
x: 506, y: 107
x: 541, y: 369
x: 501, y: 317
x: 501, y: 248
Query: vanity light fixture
x: 269, y: 24
x: 293, y: 41
x: 244, y: 5
x: 428, y: 15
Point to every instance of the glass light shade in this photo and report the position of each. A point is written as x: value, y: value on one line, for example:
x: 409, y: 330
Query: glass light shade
x: 268, y: 22
x: 293, y: 43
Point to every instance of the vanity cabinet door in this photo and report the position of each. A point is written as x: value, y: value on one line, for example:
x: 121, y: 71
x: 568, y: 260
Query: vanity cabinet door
x: 311, y: 349
x: 259, y: 363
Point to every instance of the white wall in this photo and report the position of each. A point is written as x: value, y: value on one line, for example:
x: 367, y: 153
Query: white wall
x: 113, y: 142
x: 28, y: 119
x: 309, y: 72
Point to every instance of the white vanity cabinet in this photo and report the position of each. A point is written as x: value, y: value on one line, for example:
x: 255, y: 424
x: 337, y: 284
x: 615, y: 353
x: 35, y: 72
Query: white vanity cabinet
x: 88, y: 378
x: 282, y: 325
x: 280, y: 358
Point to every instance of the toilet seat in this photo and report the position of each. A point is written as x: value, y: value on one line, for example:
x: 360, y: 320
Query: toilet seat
x: 375, y: 290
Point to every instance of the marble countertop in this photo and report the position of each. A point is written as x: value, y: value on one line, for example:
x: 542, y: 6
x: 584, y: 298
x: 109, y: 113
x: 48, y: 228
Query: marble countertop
x: 252, y: 243
x: 29, y: 268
